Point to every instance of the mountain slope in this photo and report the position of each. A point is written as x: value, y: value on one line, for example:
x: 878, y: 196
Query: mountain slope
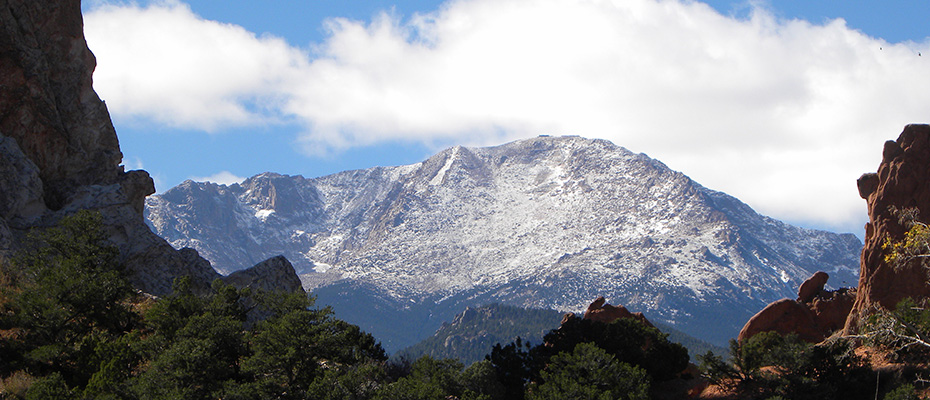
x: 549, y: 222
x: 473, y: 333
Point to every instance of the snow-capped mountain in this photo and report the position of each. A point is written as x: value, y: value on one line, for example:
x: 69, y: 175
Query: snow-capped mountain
x: 549, y: 222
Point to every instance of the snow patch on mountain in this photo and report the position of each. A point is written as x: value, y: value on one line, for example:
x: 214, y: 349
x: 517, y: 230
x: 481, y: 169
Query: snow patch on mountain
x: 548, y: 222
x: 263, y: 214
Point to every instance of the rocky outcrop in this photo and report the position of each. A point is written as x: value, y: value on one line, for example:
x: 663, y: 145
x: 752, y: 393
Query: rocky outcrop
x: 812, y: 287
x: 59, y: 152
x: 814, y: 316
x: 275, y: 273
x: 901, y: 182
x: 606, y: 313
x: 686, y: 383
x: 47, y: 101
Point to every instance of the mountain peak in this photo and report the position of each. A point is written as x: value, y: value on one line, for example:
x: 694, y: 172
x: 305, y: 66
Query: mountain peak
x: 548, y: 222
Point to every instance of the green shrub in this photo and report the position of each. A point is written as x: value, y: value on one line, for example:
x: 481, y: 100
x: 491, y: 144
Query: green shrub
x: 589, y: 373
x: 52, y: 386
x: 903, y: 392
x: 793, y: 369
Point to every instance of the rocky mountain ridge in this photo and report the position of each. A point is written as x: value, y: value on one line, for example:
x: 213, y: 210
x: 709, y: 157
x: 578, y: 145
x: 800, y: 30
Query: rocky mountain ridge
x: 549, y: 222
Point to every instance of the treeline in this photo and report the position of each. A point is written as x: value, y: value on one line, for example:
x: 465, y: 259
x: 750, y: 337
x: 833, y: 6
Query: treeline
x: 72, y: 327
x: 474, y: 333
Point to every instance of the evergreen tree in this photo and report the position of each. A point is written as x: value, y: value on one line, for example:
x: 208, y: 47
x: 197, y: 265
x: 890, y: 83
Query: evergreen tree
x: 590, y: 373
x: 769, y: 364
x: 67, y: 293
x: 297, y: 345
x: 429, y: 379
x: 629, y: 340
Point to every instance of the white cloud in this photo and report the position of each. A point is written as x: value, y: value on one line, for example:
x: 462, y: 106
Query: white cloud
x: 166, y: 64
x: 221, y: 178
x: 784, y: 115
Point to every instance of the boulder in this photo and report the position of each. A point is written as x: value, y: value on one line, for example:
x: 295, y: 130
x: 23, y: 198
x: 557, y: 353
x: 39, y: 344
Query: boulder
x: 783, y: 316
x: 813, y: 317
x: 832, y: 308
x: 901, y: 182
x: 812, y: 287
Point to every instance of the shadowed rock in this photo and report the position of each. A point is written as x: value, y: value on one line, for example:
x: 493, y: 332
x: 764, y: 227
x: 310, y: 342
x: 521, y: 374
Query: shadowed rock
x: 59, y: 152
x: 812, y: 287
x: 275, y: 273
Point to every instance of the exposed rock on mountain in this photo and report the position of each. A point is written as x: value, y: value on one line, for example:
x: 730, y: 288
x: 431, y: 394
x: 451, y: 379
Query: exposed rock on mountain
x: 275, y: 273
x: 901, y: 181
x: 549, y: 222
x: 58, y: 149
x: 814, y: 316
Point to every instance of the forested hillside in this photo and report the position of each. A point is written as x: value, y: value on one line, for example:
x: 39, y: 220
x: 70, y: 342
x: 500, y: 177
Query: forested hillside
x: 473, y: 333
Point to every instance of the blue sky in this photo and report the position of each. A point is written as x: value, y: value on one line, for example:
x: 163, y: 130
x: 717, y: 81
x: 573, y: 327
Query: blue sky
x: 781, y: 104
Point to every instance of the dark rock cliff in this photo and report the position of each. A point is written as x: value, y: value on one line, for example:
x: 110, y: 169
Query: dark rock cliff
x: 58, y: 149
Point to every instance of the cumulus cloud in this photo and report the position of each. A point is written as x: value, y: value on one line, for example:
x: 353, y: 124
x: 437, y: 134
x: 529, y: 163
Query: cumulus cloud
x: 166, y: 64
x: 221, y: 178
x: 782, y: 114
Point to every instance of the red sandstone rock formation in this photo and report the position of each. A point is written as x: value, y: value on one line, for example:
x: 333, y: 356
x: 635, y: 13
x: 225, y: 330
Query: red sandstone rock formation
x: 812, y: 287
x: 606, y: 313
x: 902, y: 181
x: 813, y: 316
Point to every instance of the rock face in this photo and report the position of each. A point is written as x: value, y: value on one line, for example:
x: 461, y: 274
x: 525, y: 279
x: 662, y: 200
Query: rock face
x: 59, y: 151
x: 47, y: 99
x: 547, y: 222
x: 814, y: 316
x: 901, y: 181
x: 275, y: 273
x: 606, y: 313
